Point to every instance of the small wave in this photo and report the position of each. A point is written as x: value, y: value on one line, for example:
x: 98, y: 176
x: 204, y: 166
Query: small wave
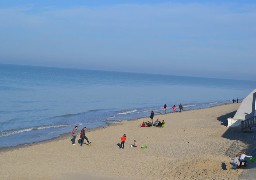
x: 13, y: 132
x: 127, y: 112
x: 96, y: 110
x: 192, y: 105
x: 213, y: 103
x: 80, y: 113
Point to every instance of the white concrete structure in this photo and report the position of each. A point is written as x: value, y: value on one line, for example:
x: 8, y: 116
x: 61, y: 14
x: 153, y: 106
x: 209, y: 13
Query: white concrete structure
x: 245, y: 111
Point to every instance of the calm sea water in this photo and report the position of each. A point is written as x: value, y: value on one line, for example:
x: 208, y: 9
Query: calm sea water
x: 39, y: 103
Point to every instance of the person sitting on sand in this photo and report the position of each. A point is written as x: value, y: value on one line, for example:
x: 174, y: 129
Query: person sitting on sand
x: 242, y: 159
x: 123, y: 139
x: 156, y: 123
x: 159, y: 124
x: 134, y: 144
x: 163, y: 123
x: 235, y: 162
x: 149, y: 124
x: 143, y: 124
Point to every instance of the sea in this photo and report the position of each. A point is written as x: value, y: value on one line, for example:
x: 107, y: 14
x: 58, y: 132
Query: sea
x: 42, y: 103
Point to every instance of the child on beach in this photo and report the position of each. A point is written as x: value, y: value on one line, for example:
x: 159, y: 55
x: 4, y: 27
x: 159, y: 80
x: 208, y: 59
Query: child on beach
x: 123, y: 139
x: 73, y: 134
x: 83, y: 136
x: 134, y: 144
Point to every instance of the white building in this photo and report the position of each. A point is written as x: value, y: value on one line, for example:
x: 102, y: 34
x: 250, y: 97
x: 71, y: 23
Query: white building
x: 245, y: 111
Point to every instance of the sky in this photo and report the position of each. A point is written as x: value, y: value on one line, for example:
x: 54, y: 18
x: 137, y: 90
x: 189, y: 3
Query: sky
x: 178, y: 37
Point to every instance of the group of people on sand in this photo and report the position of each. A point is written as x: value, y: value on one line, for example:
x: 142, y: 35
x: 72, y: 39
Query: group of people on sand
x: 239, y: 160
x: 157, y: 123
x: 235, y: 101
x: 82, y: 136
x: 123, y: 139
x: 174, y: 108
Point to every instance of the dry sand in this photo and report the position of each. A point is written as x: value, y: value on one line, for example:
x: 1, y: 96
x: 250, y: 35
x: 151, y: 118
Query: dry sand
x: 192, y: 145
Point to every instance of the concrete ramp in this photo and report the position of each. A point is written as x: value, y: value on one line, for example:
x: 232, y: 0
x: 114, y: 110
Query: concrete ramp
x: 245, y: 111
x: 247, y: 107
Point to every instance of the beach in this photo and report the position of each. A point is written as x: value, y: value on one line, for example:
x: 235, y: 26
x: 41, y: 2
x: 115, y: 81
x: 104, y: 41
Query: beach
x: 193, y: 145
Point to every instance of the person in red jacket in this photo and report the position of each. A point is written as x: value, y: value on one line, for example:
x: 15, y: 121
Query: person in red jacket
x: 123, y: 139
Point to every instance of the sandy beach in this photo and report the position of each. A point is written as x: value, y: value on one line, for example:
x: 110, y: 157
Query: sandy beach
x: 192, y: 145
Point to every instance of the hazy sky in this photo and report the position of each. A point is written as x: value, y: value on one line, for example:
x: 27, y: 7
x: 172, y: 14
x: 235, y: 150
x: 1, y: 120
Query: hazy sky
x: 182, y: 37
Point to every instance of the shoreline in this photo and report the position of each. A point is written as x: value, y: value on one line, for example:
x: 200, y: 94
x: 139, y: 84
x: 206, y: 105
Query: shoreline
x: 192, y: 145
x: 117, y: 122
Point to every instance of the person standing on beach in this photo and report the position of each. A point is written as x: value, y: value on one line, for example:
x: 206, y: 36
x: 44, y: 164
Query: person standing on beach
x: 237, y: 101
x: 73, y: 134
x: 174, y: 108
x: 152, y: 114
x: 123, y: 139
x: 165, y: 106
x: 181, y: 107
x: 83, y: 136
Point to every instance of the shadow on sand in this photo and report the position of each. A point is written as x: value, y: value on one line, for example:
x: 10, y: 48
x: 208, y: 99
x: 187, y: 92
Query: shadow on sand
x: 242, y: 141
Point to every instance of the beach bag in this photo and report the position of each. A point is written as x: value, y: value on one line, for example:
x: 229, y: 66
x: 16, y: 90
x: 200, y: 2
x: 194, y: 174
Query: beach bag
x: 144, y: 146
x: 252, y: 159
x: 79, y: 141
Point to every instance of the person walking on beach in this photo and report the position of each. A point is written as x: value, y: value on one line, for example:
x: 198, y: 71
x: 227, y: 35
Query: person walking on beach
x: 234, y: 100
x: 237, y: 101
x: 73, y: 134
x: 123, y: 139
x: 165, y: 106
x: 152, y: 114
x: 83, y: 136
x: 181, y: 107
x: 174, y: 108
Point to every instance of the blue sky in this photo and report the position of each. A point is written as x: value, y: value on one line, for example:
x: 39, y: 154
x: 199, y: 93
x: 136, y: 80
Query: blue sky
x: 195, y: 38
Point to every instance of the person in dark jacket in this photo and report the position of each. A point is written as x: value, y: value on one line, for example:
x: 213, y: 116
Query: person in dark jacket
x: 83, y: 136
x: 152, y: 114
x: 165, y: 106
x: 181, y: 107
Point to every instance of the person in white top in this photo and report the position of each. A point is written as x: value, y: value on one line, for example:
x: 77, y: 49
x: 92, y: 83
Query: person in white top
x: 235, y: 162
x: 242, y: 158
